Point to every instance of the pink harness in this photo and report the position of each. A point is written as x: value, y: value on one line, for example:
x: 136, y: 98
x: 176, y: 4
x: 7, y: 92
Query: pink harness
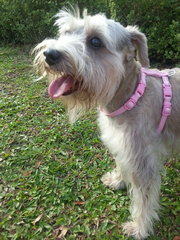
x: 167, y: 95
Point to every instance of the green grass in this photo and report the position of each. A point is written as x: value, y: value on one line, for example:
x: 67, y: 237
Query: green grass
x: 50, y: 171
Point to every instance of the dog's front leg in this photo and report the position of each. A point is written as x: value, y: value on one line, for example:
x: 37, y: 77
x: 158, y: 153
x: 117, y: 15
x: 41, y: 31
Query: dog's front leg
x: 144, y: 192
x: 114, y: 179
x: 138, y: 166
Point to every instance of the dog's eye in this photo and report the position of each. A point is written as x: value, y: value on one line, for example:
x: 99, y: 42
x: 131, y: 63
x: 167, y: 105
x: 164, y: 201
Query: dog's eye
x: 96, y: 42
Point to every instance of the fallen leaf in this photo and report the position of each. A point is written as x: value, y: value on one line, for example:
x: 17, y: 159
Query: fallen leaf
x: 12, y: 140
x: 82, y: 237
x: 97, y: 223
x: 37, y: 164
x: 176, y: 238
x: 37, y: 219
x: 26, y: 173
x: 60, y: 232
x: 79, y: 203
x: 63, y: 232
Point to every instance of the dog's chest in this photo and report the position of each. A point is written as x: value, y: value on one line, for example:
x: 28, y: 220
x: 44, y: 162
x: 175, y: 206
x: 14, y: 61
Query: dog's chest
x: 113, y: 135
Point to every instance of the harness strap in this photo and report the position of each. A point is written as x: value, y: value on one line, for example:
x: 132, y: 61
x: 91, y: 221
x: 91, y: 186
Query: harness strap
x: 167, y: 96
x: 131, y: 103
x: 167, y: 106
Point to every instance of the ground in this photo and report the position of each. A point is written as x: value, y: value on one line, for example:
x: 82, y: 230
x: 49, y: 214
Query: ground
x: 50, y: 171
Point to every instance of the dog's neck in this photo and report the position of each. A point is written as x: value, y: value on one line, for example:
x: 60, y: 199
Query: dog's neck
x: 126, y: 88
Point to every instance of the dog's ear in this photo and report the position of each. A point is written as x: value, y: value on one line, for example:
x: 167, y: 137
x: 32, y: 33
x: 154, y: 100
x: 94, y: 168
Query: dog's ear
x: 139, y: 41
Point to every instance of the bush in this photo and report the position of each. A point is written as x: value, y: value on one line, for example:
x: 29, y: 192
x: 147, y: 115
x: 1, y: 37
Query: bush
x: 25, y: 21
x: 158, y: 20
x: 30, y: 21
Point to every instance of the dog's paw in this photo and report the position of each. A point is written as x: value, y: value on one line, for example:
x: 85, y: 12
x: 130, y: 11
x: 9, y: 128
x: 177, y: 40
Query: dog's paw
x: 132, y: 229
x: 112, y: 180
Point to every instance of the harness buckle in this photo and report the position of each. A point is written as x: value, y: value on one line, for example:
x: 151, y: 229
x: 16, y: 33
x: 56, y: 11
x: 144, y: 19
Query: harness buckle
x: 167, y: 107
x: 130, y: 104
x: 167, y: 91
x: 141, y: 88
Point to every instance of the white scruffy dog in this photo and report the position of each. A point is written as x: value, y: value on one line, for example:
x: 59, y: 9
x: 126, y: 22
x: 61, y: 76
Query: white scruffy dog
x: 96, y: 61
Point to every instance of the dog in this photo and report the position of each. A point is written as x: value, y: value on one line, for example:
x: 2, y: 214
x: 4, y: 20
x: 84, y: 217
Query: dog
x: 97, y: 62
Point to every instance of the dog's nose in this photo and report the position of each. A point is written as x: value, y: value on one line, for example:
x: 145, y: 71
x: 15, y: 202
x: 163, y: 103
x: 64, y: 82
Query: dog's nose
x: 52, y: 56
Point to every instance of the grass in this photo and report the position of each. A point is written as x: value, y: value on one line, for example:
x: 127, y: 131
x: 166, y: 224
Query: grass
x: 50, y: 171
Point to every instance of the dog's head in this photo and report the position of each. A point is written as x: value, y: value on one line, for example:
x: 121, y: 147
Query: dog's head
x: 86, y: 62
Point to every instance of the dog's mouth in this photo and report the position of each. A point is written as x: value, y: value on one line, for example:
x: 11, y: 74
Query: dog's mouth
x: 62, y: 86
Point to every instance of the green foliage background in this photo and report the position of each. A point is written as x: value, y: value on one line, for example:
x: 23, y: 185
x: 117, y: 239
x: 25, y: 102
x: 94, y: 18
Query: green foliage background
x: 30, y: 21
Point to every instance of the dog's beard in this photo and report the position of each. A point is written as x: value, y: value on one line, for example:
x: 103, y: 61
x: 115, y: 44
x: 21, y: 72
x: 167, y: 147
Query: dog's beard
x: 77, y: 104
x: 77, y: 96
x: 80, y: 93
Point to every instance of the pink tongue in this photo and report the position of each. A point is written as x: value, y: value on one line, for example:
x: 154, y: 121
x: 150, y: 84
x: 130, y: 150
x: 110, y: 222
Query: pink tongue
x: 60, y: 86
